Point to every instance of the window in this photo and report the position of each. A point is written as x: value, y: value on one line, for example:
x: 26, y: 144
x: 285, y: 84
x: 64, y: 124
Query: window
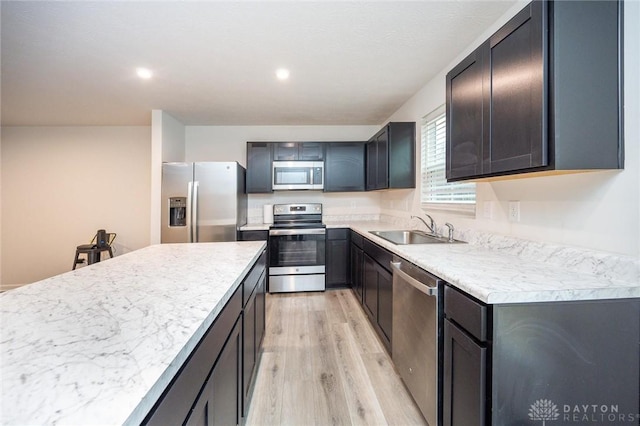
x: 436, y: 192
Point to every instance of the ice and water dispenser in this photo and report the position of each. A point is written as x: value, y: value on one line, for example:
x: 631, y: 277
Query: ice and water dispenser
x: 177, y: 211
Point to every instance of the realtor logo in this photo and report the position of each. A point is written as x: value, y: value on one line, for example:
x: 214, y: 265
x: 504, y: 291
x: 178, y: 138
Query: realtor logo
x: 544, y: 409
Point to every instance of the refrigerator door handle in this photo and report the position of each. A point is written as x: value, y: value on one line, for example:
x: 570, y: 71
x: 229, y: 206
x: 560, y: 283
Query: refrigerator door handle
x: 194, y: 214
x: 189, y: 210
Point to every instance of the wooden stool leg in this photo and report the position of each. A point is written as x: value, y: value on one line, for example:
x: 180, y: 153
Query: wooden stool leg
x: 110, y: 252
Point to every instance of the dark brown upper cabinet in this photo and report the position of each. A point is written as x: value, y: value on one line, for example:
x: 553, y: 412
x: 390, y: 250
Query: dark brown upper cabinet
x: 259, y: 167
x: 543, y: 94
x: 344, y: 167
x: 464, y: 108
x: 298, y: 151
x: 390, y: 157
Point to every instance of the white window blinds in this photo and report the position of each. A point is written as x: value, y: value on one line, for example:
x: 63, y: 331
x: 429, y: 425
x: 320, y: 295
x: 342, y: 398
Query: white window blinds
x: 436, y: 192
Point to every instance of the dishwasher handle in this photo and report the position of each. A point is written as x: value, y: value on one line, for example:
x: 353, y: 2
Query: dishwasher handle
x: 422, y: 287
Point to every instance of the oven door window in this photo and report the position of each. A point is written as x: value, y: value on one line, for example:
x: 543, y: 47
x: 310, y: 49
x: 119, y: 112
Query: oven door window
x: 296, y: 250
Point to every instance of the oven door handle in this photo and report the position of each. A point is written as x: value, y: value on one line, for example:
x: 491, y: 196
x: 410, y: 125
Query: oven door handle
x: 278, y: 232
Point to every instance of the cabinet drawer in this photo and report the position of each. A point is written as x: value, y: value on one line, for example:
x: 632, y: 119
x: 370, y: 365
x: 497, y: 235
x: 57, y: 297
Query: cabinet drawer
x: 253, y: 235
x: 381, y: 255
x: 468, y: 313
x: 337, y: 233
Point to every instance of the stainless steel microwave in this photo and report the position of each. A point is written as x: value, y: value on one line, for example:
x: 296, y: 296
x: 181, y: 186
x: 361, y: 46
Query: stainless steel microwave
x: 298, y: 175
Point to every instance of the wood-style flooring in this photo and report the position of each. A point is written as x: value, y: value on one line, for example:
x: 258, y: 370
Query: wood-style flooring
x: 324, y: 365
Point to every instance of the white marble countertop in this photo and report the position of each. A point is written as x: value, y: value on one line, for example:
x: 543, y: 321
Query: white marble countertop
x: 98, y: 345
x: 256, y: 227
x: 499, y: 277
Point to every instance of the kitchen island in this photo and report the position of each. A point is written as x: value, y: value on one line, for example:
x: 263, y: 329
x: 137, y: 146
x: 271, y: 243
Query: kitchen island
x: 100, y: 345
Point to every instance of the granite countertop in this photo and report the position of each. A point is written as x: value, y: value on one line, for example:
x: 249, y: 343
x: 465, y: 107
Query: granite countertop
x: 497, y: 276
x: 72, y: 343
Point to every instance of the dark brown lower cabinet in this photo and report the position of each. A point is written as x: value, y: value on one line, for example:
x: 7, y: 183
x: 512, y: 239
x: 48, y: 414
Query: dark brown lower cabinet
x: 370, y: 299
x: 357, y: 265
x: 252, y: 335
x: 261, y: 311
x: 464, y: 398
x: 513, y: 364
x: 378, y: 290
x: 385, y: 302
x: 465, y: 357
x: 219, y: 402
x: 249, y: 348
x: 225, y: 402
x: 337, y: 258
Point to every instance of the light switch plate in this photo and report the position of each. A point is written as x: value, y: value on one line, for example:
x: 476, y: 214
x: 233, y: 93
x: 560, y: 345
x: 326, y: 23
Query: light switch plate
x: 514, y: 211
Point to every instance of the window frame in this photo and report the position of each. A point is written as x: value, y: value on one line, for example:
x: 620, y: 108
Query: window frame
x: 457, y: 207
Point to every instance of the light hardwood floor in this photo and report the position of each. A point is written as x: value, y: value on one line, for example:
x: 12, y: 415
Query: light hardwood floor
x: 323, y: 365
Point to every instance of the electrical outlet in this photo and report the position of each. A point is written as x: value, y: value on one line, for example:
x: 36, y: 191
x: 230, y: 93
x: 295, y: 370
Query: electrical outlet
x: 514, y: 211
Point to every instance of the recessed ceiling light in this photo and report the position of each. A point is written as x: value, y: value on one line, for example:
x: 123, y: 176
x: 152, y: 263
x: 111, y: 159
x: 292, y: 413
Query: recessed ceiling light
x: 282, y: 73
x: 144, y: 73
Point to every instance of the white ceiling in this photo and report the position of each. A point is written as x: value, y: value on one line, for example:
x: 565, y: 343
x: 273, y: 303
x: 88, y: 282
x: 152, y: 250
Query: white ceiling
x: 73, y: 63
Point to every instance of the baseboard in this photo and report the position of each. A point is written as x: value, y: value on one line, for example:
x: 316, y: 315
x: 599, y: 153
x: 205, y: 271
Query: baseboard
x: 7, y: 287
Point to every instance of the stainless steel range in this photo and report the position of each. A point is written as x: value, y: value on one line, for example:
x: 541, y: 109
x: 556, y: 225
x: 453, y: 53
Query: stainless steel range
x: 297, y: 248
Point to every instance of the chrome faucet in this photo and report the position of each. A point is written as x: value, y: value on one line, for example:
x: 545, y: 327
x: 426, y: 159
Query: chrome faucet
x: 431, y: 227
x: 450, y: 226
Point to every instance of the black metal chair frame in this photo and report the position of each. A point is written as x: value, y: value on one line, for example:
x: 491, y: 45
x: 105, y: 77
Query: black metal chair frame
x: 93, y: 250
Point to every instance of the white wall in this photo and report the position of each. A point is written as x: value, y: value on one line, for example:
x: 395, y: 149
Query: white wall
x: 0, y: 209
x: 173, y: 138
x: 61, y: 184
x: 599, y: 210
x: 229, y: 143
x: 167, y: 145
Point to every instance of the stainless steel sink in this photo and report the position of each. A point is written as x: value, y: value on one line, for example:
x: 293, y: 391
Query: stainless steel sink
x: 402, y: 237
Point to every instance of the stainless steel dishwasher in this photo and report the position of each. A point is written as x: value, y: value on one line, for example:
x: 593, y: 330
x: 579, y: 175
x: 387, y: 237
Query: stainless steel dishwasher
x: 417, y: 335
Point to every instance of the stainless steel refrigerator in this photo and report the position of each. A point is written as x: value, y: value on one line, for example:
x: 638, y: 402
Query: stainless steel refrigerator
x: 202, y: 202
